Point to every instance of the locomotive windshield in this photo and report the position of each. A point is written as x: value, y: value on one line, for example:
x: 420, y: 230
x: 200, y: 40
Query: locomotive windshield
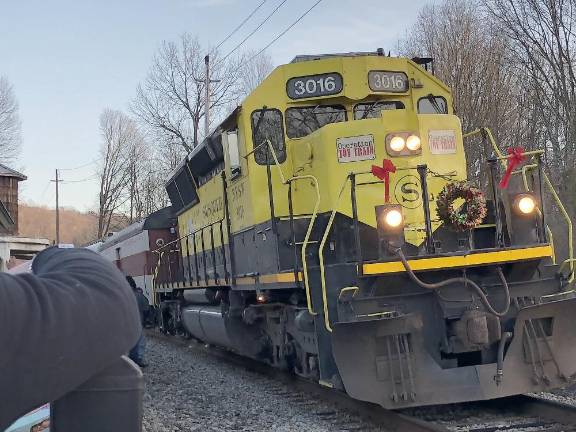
x: 370, y: 110
x: 303, y: 121
x: 432, y: 105
x: 267, y: 125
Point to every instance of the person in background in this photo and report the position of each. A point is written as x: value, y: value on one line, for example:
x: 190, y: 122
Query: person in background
x: 137, y: 352
x: 70, y: 318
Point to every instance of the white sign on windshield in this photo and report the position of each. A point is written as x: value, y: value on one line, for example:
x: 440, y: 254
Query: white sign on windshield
x: 356, y: 148
x: 442, y: 141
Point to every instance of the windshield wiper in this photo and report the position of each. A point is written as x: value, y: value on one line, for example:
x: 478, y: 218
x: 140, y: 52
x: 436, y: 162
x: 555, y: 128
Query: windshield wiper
x: 370, y: 110
x: 434, y: 102
x: 259, y: 122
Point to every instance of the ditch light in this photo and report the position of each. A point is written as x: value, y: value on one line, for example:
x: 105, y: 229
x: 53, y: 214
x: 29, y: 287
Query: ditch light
x: 524, y: 204
x: 524, y: 218
x: 390, y: 227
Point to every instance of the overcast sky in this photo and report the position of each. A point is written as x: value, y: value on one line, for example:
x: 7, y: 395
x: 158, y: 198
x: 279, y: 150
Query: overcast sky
x: 70, y: 59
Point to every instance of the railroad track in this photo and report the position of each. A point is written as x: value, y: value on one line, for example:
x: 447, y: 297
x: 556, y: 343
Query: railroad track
x: 515, y: 414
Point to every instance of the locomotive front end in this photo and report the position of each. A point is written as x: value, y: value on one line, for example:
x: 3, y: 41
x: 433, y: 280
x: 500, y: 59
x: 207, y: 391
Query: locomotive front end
x: 433, y: 289
x: 335, y: 231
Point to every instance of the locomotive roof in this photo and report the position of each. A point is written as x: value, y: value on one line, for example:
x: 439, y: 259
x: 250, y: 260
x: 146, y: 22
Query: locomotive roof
x: 311, y: 57
x: 160, y: 219
x: 207, y: 151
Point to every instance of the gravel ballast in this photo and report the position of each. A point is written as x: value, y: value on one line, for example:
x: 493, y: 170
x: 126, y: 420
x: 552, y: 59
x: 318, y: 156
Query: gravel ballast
x: 188, y: 389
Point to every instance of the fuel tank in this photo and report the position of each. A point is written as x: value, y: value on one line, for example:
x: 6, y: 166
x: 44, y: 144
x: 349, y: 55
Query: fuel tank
x: 206, y: 323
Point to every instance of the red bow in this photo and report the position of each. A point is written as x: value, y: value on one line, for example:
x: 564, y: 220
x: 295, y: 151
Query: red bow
x: 383, y: 173
x: 515, y: 159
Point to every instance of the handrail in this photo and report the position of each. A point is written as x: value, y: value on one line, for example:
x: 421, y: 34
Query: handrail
x: 528, y: 153
x: 487, y: 132
x: 179, y: 239
x: 323, y: 245
x: 161, y: 250
x: 160, y: 254
x: 321, y: 253
x: 310, y: 225
x: 548, y: 230
x: 346, y: 289
x: 570, y: 260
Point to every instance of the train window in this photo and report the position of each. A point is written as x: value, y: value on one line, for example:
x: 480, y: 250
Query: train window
x: 174, y: 196
x: 233, y: 153
x: 303, y: 121
x: 432, y: 105
x: 203, y: 179
x: 186, y: 187
x: 267, y: 125
x: 370, y: 110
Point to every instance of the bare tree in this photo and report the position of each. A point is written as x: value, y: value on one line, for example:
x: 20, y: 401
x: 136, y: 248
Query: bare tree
x: 137, y: 166
x: 255, y: 67
x: 147, y: 171
x: 471, y: 56
x: 171, y: 99
x: 542, y: 35
x: 119, y: 134
x: 512, y: 66
x: 9, y: 123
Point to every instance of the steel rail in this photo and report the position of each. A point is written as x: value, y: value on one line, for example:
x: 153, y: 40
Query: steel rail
x: 539, y: 407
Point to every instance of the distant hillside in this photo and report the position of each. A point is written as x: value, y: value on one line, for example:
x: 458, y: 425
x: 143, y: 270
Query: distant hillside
x: 75, y: 227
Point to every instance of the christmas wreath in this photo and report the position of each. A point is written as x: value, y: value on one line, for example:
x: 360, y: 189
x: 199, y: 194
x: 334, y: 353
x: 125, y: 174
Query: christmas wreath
x: 474, y: 211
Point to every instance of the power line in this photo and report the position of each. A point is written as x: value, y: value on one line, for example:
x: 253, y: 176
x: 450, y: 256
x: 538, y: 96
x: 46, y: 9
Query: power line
x: 282, y: 34
x: 81, y: 166
x: 44, y: 191
x: 253, y: 31
x: 239, y: 26
x: 92, y: 177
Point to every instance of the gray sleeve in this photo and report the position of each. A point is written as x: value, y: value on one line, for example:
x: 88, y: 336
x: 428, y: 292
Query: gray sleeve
x: 60, y: 325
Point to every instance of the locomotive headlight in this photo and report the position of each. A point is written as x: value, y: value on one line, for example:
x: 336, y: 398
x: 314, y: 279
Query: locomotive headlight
x: 390, y: 228
x: 389, y: 218
x: 524, y: 204
x: 393, y: 218
x: 397, y: 144
x: 403, y: 144
x: 413, y: 143
x: 525, y: 223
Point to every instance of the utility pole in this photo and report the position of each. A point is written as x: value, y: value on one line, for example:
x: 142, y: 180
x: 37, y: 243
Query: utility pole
x: 57, y: 210
x: 207, y: 98
x: 207, y: 81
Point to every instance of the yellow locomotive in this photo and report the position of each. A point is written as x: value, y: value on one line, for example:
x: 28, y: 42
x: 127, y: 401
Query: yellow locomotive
x: 321, y: 231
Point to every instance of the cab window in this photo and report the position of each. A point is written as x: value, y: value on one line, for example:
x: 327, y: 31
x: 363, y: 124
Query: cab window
x: 267, y: 125
x: 233, y: 153
x: 370, y: 110
x: 432, y: 105
x: 302, y: 121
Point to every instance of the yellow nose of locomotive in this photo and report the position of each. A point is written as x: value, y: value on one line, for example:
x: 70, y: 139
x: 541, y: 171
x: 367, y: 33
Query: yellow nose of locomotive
x: 401, y: 136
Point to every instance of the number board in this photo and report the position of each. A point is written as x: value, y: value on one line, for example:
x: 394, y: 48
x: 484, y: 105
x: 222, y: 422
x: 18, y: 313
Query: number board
x: 314, y: 85
x: 385, y: 81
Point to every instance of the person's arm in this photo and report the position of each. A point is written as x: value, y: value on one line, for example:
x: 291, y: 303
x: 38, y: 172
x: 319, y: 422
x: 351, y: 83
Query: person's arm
x: 59, y: 325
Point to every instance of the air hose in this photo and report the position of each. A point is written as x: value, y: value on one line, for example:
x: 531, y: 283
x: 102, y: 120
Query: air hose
x: 464, y: 280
